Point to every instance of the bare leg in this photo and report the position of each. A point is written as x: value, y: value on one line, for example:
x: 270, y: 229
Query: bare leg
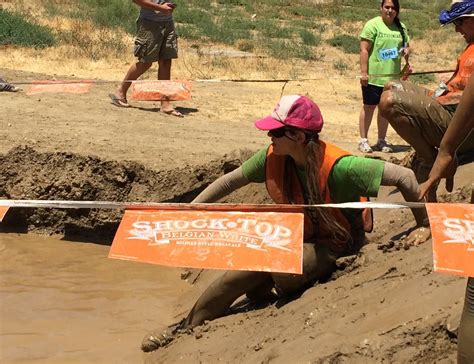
x: 164, y: 73
x: 365, y: 119
x: 135, y: 71
x: 382, y: 126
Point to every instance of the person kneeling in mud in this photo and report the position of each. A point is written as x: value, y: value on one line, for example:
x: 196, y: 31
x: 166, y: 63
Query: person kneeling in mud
x: 299, y: 168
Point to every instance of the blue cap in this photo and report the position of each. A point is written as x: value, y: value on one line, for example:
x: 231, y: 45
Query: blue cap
x: 459, y: 9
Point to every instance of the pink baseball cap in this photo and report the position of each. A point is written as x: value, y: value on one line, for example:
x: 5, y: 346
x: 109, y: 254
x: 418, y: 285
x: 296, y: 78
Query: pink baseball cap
x: 294, y: 110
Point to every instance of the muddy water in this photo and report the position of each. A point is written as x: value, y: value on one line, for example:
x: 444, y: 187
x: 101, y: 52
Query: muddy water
x: 66, y: 302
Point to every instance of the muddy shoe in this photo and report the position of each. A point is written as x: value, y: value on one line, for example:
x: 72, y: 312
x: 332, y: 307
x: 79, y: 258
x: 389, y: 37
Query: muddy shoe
x: 157, y: 339
x: 383, y: 146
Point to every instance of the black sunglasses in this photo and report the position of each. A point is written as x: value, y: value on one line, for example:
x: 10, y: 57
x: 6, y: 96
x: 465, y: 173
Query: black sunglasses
x: 278, y: 133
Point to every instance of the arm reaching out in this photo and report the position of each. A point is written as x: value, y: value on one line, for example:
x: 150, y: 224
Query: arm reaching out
x: 223, y: 186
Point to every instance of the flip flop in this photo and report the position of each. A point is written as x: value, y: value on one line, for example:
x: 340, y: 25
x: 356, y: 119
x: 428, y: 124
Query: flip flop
x: 173, y: 112
x: 118, y: 102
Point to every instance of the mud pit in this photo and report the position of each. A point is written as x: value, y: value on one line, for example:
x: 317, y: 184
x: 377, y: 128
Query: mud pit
x: 387, y: 305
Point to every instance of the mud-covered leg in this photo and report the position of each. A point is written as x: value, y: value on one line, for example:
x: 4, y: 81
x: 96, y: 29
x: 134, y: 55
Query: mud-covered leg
x: 466, y: 328
x: 213, y: 303
x: 219, y: 296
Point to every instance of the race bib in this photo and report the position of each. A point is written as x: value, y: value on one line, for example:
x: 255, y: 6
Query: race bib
x: 388, y: 53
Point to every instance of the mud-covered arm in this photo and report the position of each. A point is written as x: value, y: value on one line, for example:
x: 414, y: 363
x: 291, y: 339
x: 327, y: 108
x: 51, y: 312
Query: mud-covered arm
x: 223, y: 186
x: 404, y: 179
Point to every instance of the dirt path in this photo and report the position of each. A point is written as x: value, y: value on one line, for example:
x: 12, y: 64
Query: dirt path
x: 219, y: 119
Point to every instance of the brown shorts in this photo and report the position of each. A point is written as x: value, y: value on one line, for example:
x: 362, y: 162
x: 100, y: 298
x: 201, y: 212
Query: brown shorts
x: 425, y: 113
x: 155, y: 40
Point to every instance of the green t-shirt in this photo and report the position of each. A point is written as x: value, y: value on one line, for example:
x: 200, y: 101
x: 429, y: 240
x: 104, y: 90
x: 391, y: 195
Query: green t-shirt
x: 350, y: 177
x: 384, y: 56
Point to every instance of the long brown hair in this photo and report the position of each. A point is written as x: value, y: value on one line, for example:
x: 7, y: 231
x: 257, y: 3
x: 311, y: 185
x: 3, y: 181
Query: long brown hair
x: 320, y: 217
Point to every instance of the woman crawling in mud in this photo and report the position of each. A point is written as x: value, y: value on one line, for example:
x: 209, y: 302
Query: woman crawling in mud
x: 300, y: 168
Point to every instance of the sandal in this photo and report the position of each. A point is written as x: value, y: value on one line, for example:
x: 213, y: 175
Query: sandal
x: 118, y: 101
x: 173, y: 112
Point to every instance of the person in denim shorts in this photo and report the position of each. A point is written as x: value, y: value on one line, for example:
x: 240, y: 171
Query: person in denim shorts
x: 156, y: 41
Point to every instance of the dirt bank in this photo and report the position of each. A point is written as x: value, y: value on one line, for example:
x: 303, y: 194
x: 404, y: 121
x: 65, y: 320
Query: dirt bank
x: 28, y: 174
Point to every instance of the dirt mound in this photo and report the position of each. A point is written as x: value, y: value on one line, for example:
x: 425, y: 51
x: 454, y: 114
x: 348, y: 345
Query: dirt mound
x: 28, y: 174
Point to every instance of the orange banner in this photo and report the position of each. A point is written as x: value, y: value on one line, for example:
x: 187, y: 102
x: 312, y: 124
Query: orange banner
x: 3, y: 212
x: 252, y: 241
x: 161, y: 90
x: 73, y: 86
x: 452, y: 227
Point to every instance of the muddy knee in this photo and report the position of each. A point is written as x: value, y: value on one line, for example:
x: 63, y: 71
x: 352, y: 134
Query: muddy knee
x: 386, y: 104
x: 318, y: 264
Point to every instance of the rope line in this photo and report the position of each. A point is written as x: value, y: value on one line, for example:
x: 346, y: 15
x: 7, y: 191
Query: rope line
x: 285, y: 80
x: 61, y: 204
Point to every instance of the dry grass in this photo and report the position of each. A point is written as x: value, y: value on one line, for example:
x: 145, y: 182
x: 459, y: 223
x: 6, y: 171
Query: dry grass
x: 90, y: 52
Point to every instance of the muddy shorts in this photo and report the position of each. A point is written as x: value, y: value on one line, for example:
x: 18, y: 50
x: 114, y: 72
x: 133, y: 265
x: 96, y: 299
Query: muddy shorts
x: 155, y: 40
x: 425, y: 113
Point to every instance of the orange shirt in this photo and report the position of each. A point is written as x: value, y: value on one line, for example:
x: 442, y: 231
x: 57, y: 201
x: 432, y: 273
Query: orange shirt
x: 458, y: 82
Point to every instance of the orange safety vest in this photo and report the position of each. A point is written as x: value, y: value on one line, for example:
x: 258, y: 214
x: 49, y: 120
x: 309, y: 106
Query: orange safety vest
x: 282, y: 182
x: 458, y: 82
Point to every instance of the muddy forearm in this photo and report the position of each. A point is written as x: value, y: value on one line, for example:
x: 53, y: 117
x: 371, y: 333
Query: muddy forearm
x: 404, y: 179
x: 222, y: 186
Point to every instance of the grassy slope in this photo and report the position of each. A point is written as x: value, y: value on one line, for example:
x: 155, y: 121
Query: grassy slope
x: 291, y: 39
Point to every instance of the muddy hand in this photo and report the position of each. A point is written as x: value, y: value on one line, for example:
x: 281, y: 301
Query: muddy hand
x: 445, y: 166
x: 417, y: 236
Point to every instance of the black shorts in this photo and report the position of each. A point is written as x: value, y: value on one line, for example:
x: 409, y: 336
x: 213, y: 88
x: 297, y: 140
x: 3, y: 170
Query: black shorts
x: 371, y: 94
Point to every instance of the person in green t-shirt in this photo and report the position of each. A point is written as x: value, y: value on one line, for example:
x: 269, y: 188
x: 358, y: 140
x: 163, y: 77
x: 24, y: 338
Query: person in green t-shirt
x: 383, y: 42
x: 299, y: 168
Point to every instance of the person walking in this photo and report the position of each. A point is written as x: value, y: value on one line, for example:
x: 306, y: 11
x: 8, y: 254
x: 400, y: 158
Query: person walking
x: 384, y: 41
x: 299, y: 168
x: 156, y: 41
